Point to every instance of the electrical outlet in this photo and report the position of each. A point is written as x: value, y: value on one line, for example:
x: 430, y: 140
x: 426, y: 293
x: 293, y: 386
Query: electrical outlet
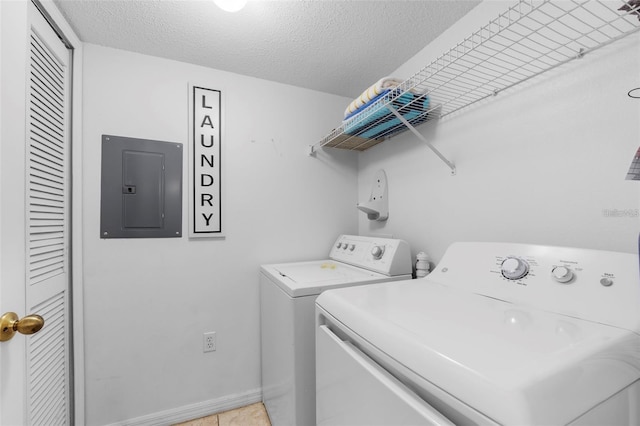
x: 209, y: 342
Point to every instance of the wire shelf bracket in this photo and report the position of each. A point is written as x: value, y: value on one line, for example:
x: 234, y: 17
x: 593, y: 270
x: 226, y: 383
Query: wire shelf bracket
x: 422, y: 138
x: 529, y: 39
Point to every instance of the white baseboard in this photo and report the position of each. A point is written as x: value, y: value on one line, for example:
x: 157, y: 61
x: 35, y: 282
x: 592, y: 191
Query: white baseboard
x: 194, y: 411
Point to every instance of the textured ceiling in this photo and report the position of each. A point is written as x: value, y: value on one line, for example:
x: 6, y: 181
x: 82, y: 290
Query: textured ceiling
x: 338, y: 47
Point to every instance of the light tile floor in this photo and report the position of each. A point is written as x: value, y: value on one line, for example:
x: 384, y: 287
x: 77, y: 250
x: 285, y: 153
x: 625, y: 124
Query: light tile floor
x: 251, y: 415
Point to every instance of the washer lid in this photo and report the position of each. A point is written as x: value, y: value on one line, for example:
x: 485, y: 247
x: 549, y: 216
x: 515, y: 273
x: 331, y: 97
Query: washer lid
x: 310, y: 278
x: 514, y: 365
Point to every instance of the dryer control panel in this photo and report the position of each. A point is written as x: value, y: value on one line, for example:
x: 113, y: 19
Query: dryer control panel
x: 387, y: 256
x: 600, y: 286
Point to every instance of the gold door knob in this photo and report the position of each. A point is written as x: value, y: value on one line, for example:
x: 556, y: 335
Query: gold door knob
x: 10, y: 323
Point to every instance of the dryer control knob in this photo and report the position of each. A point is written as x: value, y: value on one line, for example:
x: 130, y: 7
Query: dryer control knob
x: 377, y: 252
x: 562, y: 274
x: 352, y: 247
x: 514, y: 268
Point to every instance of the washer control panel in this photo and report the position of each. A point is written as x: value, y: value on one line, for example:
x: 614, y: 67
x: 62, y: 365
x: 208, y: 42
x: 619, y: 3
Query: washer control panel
x: 387, y: 256
x: 600, y: 286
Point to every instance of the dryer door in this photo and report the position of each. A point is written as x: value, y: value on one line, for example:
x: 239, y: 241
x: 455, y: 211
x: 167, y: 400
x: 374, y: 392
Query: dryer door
x: 352, y: 389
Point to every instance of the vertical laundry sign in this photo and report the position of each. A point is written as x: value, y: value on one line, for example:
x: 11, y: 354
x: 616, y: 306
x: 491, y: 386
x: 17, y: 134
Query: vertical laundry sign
x: 206, y: 162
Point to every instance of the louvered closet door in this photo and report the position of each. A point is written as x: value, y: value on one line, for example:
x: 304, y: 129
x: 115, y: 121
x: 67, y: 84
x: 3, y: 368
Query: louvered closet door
x: 48, y: 207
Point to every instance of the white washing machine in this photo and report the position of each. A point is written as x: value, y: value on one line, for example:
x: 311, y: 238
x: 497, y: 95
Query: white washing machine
x: 287, y: 298
x: 497, y: 334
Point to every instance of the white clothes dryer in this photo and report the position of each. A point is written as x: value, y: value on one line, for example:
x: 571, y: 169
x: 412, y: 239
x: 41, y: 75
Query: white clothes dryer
x: 287, y: 298
x: 504, y: 334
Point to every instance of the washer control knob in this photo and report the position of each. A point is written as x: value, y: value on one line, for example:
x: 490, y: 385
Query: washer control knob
x: 338, y: 245
x: 344, y: 246
x: 514, y: 268
x: 562, y: 274
x: 352, y: 247
x: 377, y: 252
x: 607, y: 282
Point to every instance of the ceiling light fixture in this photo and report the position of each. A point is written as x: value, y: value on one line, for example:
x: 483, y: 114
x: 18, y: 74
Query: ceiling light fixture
x: 230, y: 5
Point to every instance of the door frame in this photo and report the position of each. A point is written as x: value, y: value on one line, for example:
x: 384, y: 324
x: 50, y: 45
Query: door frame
x: 58, y: 22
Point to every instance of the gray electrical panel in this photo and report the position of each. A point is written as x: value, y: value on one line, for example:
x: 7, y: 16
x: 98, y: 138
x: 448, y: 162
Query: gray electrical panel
x: 141, y: 188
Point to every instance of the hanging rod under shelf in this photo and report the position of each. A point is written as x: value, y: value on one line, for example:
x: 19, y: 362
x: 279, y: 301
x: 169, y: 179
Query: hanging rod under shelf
x: 527, y: 40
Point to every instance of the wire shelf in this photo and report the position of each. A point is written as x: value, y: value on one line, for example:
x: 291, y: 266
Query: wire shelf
x: 527, y: 40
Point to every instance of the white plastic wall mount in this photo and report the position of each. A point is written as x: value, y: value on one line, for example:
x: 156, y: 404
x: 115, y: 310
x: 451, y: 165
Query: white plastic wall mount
x: 377, y: 208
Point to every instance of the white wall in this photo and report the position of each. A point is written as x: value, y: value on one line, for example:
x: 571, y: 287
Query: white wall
x: 148, y: 301
x: 541, y: 163
x: 13, y: 105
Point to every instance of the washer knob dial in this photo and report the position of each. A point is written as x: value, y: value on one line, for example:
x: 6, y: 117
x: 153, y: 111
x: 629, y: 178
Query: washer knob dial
x: 514, y: 268
x: 562, y: 274
x: 377, y: 252
x: 607, y: 282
